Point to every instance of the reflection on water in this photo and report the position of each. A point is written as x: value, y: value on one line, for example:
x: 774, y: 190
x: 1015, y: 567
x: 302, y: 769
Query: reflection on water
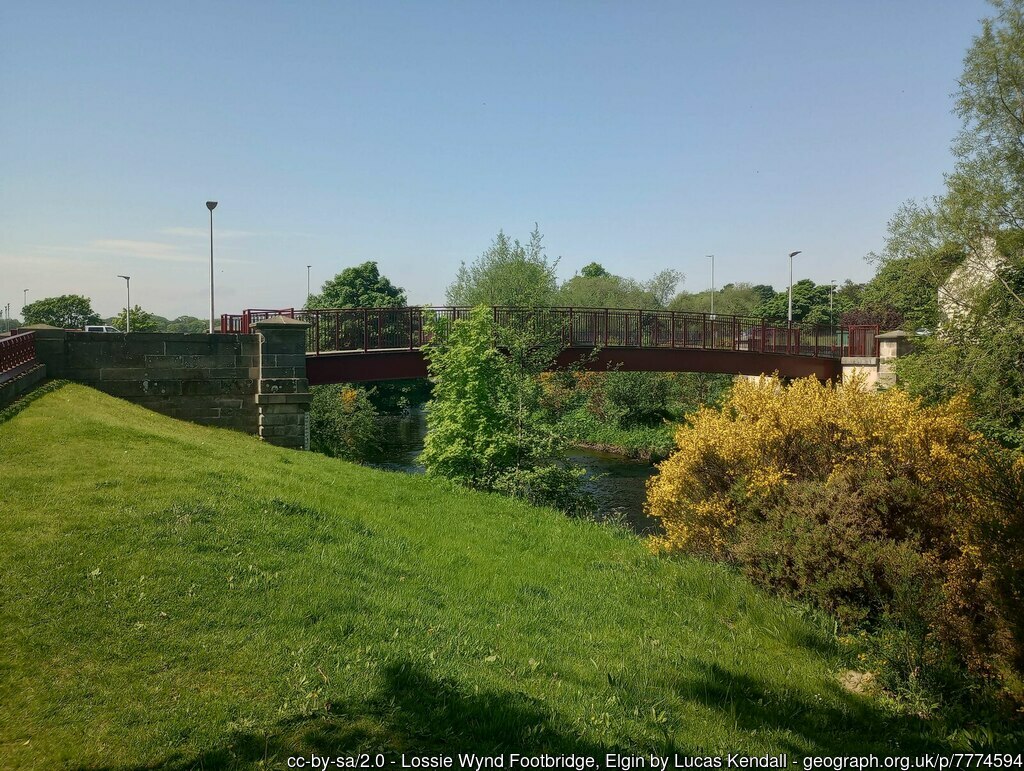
x: 618, y: 484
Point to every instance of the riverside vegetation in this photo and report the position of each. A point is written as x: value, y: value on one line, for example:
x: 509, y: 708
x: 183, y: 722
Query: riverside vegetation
x: 182, y: 596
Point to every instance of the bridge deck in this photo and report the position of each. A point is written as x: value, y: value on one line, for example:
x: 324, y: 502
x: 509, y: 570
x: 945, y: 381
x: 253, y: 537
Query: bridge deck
x: 384, y: 343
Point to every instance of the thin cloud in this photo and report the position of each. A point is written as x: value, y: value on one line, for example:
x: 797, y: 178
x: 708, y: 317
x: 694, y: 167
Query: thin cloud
x: 140, y: 250
x: 204, y: 233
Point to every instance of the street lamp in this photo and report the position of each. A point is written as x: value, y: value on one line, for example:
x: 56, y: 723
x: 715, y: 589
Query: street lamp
x: 712, y: 257
x: 128, y: 307
x: 307, y: 285
x: 211, y: 205
x: 24, y: 298
x: 831, y: 297
x: 791, y: 256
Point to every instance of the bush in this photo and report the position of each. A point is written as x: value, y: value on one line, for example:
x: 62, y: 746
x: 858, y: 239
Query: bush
x: 639, y: 398
x: 894, y: 516
x: 342, y: 422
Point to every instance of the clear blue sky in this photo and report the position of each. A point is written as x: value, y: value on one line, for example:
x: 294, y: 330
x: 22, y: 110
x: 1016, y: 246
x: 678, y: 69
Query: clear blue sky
x: 643, y: 135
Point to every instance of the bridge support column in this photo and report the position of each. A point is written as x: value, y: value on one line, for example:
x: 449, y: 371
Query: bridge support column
x: 283, y: 396
x: 878, y: 371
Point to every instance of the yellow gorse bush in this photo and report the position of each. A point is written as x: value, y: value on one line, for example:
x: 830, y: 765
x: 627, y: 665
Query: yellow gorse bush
x: 767, y: 435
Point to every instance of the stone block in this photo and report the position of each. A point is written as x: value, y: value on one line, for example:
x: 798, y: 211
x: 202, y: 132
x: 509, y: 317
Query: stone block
x: 296, y: 398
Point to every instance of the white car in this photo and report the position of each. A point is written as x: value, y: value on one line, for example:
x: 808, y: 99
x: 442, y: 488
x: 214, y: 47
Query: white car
x: 101, y: 328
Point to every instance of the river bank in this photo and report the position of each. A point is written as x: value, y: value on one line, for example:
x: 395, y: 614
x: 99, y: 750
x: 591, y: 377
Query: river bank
x: 616, y: 480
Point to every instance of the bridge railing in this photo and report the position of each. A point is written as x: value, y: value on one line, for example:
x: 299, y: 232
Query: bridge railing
x: 15, y: 351
x: 377, y: 329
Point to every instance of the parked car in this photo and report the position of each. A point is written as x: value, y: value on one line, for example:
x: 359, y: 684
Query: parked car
x: 101, y: 328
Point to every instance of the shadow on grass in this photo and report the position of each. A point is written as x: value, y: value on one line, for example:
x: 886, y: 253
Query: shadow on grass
x: 836, y: 722
x: 413, y: 712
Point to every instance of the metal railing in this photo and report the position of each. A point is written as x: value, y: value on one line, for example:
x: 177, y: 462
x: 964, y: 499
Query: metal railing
x: 15, y: 351
x: 376, y: 329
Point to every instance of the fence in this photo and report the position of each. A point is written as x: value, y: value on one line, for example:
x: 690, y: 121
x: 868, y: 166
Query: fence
x: 378, y: 329
x: 15, y: 351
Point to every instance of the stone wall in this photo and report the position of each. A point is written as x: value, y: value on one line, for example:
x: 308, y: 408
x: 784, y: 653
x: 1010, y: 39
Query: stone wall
x: 207, y: 379
x: 254, y: 383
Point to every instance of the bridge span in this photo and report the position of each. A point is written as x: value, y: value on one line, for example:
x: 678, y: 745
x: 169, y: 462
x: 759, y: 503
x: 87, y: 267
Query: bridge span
x: 364, y: 344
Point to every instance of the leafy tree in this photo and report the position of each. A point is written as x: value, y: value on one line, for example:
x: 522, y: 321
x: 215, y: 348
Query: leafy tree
x: 981, y: 349
x: 69, y: 311
x: 916, y: 261
x: 361, y: 286
x: 731, y: 300
x: 508, y: 273
x: 662, y: 285
x: 593, y: 270
x: 605, y: 291
x: 486, y: 427
x: 189, y: 324
x: 810, y: 303
x: 142, y: 321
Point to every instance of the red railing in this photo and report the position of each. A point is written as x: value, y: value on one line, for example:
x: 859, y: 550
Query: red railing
x: 374, y: 329
x: 16, y: 350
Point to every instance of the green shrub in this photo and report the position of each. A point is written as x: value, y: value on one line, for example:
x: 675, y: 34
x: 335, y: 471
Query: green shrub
x: 342, y: 422
x: 639, y: 398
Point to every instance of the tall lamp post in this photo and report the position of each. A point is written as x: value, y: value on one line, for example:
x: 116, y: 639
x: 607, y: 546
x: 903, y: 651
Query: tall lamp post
x: 831, y: 298
x: 128, y: 307
x: 24, y: 298
x: 211, y: 205
x: 307, y: 285
x: 712, y: 257
x: 791, y: 256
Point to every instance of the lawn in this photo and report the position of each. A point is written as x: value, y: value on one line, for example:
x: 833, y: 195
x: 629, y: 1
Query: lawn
x: 177, y: 596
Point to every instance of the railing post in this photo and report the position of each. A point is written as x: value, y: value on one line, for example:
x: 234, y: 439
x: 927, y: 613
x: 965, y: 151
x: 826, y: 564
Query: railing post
x: 673, y: 328
x: 704, y: 331
x: 366, y: 330
x: 570, y: 328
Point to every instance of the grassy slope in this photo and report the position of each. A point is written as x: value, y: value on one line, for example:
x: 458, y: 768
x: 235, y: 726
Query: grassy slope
x: 171, y: 594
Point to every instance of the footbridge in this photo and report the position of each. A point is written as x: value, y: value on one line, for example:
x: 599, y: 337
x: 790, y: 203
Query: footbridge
x: 362, y: 344
x: 255, y: 375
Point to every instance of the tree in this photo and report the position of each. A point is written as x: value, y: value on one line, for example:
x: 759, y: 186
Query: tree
x: 361, y: 286
x: 662, y: 285
x: 189, y: 324
x: 811, y: 303
x: 605, y: 291
x: 142, y: 321
x: 731, y: 300
x: 987, y: 185
x: 486, y: 427
x: 593, y: 270
x: 508, y: 273
x: 68, y: 311
x: 979, y: 349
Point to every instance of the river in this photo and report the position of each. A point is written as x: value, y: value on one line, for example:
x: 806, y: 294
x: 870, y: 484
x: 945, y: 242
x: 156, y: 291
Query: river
x: 618, y: 484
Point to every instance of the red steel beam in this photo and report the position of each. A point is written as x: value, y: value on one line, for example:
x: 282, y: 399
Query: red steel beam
x: 361, y: 366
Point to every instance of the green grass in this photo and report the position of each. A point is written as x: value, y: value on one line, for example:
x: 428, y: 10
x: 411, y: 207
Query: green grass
x: 182, y: 597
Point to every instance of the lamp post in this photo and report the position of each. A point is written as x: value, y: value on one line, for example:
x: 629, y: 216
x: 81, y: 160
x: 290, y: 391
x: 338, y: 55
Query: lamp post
x: 712, y: 257
x: 128, y: 307
x: 791, y: 256
x: 831, y: 298
x: 24, y: 298
x: 211, y: 205
x: 307, y: 285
